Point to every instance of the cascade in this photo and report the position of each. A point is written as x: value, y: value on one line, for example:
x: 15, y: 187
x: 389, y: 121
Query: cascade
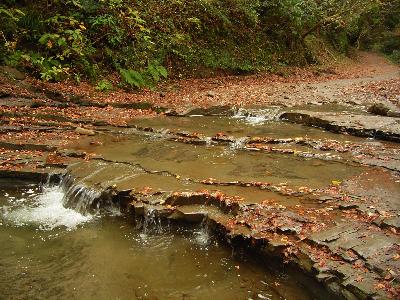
x: 258, y: 116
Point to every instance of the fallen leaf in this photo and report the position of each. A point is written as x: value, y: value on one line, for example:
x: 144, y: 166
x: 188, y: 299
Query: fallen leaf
x: 336, y: 182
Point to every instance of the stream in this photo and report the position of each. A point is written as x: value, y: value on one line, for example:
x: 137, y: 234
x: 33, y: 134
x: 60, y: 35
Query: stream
x: 60, y: 241
x: 50, y: 251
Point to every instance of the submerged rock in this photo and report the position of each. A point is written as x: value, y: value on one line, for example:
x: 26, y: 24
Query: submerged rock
x: 378, y: 109
x: 210, y: 94
x: 379, y: 127
x: 218, y: 110
x: 84, y: 131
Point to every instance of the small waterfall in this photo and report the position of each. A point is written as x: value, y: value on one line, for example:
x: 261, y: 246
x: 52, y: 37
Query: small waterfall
x: 202, y: 236
x: 42, y: 208
x: 83, y: 199
x: 238, y: 143
x: 151, y: 222
x: 62, y: 201
x: 255, y: 116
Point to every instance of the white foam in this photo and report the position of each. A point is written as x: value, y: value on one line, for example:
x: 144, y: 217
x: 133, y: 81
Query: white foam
x: 258, y: 116
x: 202, y: 237
x: 239, y: 143
x: 45, y: 210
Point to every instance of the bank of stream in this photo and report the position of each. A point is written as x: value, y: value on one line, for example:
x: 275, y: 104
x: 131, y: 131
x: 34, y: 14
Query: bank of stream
x: 241, y: 206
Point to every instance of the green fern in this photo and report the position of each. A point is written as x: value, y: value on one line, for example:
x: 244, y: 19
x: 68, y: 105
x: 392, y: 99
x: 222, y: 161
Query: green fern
x: 132, y: 78
x: 162, y: 71
x: 146, y: 79
x: 152, y: 70
x: 104, y: 85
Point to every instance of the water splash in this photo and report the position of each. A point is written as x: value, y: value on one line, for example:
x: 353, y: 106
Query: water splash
x: 201, y: 236
x: 44, y: 209
x: 238, y: 143
x: 258, y: 116
x: 68, y: 203
x: 151, y: 222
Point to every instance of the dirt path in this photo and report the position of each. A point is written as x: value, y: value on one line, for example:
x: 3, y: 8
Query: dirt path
x: 371, y: 78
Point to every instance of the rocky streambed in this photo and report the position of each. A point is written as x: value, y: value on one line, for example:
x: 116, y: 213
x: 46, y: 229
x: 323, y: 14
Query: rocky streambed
x: 315, y: 190
x: 189, y: 194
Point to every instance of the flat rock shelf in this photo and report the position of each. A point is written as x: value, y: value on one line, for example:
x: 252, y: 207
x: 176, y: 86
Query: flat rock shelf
x: 162, y: 203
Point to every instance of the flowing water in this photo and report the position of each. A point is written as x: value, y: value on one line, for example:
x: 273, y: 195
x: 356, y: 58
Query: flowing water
x: 56, y: 242
x: 48, y: 252
x: 226, y: 163
x: 257, y: 123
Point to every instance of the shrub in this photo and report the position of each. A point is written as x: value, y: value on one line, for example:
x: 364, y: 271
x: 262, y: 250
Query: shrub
x: 89, y: 38
x: 146, y: 79
x: 104, y: 86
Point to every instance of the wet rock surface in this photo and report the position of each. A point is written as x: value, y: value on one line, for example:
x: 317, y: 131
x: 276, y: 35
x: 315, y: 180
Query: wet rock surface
x: 325, y: 203
x: 378, y: 109
x: 379, y: 127
x: 345, y: 235
x: 12, y: 72
x: 346, y: 250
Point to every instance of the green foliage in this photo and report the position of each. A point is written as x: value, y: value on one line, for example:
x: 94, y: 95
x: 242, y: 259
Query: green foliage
x: 395, y: 56
x: 55, y: 73
x: 379, y: 29
x: 132, y: 78
x: 104, y: 85
x: 89, y: 38
x: 67, y: 40
x: 9, y: 18
x: 49, y: 69
x: 146, y: 79
x: 156, y: 72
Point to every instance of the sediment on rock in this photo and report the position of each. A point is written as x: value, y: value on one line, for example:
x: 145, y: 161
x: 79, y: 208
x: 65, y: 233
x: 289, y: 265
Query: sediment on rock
x: 379, y: 127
